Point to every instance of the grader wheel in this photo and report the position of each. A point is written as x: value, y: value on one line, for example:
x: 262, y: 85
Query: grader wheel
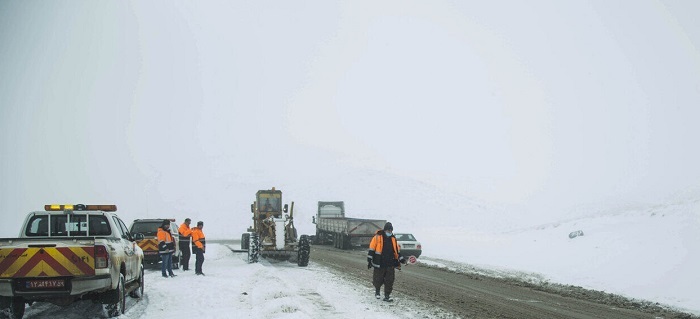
x: 245, y: 241
x: 254, y: 248
x: 304, y: 251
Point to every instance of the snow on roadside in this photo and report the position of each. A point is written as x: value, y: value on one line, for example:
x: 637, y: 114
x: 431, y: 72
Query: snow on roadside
x: 647, y: 254
x: 269, y: 289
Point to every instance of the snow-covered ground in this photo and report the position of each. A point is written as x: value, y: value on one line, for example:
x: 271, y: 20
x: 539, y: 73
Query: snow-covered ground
x: 647, y: 253
x: 232, y: 288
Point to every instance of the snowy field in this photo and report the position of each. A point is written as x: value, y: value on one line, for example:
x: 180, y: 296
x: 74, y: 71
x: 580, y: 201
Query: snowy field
x: 649, y: 253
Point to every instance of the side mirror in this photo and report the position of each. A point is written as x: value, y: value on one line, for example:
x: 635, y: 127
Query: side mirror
x: 252, y: 208
x: 286, y: 207
x: 313, y: 219
x: 139, y: 237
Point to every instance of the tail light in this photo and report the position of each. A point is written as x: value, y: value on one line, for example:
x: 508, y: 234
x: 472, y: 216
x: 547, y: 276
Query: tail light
x: 101, y: 257
x: 419, y: 247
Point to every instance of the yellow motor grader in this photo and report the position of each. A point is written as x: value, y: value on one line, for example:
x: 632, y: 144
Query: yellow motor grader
x: 273, y: 234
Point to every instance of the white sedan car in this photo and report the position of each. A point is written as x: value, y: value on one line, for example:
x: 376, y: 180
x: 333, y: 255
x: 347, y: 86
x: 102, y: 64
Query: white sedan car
x: 409, y: 245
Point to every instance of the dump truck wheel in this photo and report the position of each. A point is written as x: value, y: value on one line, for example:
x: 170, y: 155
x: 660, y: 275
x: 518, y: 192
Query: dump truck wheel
x: 304, y: 251
x: 344, y: 242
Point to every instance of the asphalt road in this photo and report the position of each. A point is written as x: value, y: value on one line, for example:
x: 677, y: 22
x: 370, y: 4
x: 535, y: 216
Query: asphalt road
x: 421, y: 289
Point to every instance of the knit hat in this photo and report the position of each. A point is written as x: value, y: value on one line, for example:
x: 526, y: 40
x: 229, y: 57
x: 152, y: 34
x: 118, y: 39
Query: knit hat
x: 388, y: 226
x: 200, y: 223
x: 165, y: 223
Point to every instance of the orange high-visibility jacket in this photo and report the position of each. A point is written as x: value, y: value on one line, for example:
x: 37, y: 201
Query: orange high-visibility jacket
x: 166, y: 237
x: 198, y: 238
x: 375, y: 248
x: 184, y: 231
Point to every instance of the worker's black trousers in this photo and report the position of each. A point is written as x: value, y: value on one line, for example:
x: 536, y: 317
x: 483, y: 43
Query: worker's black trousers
x: 199, y: 260
x: 384, y: 276
x: 185, y: 257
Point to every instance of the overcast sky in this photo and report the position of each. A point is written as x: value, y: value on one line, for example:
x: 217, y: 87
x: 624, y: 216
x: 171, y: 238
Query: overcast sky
x: 180, y: 106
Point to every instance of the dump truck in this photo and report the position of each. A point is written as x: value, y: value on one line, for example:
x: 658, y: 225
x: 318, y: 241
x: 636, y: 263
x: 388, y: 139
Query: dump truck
x: 332, y: 227
x: 273, y: 234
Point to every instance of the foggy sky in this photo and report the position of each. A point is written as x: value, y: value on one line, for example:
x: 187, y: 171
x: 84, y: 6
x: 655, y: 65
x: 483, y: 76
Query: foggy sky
x: 187, y: 108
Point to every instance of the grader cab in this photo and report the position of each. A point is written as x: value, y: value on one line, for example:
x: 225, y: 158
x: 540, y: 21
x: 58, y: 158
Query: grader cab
x: 273, y: 234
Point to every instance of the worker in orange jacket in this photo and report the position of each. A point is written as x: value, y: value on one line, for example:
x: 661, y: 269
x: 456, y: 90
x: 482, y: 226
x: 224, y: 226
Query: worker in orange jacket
x: 166, y: 248
x: 384, y: 255
x: 185, y: 235
x: 199, y: 247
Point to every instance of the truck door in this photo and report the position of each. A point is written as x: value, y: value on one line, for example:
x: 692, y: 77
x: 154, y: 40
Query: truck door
x: 127, y: 244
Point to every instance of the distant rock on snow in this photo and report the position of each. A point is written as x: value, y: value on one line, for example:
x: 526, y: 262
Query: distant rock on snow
x: 575, y: 234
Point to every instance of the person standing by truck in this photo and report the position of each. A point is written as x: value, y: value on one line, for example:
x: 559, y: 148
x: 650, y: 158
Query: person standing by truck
x: 185, y: 235
x: 384, y: 255
x: 166, y: 248
x: 199, y: 247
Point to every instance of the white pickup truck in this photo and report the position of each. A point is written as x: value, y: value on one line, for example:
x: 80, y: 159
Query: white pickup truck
x: 68, y: 253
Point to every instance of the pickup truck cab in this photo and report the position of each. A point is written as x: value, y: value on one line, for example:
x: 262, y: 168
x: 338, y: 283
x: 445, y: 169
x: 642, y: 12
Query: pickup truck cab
x: 68, y: 253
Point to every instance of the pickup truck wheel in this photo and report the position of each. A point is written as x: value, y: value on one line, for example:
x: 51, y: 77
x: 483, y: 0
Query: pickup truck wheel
x: 138, y: 292
x: 12, y: 307
x: 118, y: 308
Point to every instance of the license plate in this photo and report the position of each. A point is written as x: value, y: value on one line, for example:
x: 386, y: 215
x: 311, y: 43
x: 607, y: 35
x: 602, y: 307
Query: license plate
x: 409, y: 246
x: 45, y: 284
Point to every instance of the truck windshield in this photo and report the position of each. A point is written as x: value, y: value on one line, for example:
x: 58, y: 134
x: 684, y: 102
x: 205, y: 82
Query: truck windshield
x: 330, y: 211
x: 68, y: 225
x: 269, y: 203
x: 147, y: 228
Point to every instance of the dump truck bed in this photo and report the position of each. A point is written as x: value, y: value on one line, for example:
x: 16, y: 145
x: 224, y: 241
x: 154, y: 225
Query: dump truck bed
x: 352, y: 227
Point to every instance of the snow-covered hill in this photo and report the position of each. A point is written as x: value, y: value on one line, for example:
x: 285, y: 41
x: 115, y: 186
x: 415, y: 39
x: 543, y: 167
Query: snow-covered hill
x: 645, y: 253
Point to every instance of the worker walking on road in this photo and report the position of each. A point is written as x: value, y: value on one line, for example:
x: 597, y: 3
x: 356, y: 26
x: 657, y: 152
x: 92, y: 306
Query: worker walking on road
x: 199, y: 247
x: 185, y: 235
x: 384, y: 255
x: 166, y: 248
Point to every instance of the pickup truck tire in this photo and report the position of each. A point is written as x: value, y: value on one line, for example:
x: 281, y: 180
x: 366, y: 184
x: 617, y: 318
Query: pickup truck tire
x: 116, y: 309
x: 12, y: 307
x: 138, y: 292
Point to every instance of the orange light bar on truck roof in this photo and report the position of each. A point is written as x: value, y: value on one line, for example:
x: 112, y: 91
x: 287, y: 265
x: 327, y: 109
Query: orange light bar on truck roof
x: 56, y: 207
